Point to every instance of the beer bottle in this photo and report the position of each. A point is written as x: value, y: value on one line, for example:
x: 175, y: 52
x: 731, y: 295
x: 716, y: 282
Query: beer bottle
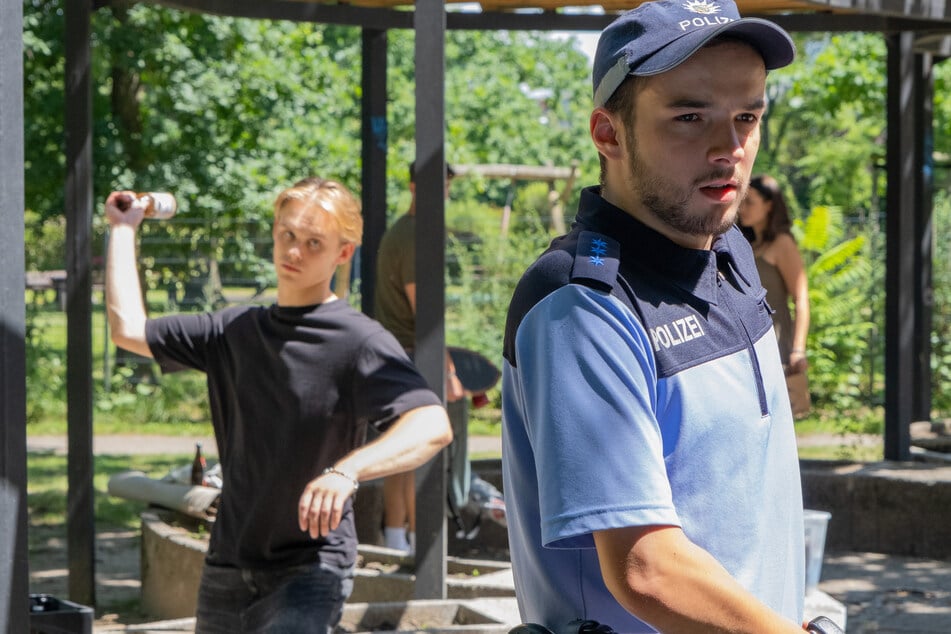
x: 198, y: 467
x: 160, y: 205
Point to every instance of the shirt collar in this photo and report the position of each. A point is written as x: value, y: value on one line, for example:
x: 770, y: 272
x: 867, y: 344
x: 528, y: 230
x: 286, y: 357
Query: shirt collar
x: 693, y: 270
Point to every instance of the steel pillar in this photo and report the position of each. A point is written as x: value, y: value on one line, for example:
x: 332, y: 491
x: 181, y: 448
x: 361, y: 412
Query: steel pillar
x: 14, y: 561
x: 80, y: 513
x: 430, y: 25
x: 373, y: 151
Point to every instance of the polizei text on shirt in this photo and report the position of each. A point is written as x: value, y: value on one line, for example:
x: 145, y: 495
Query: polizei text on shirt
x: 676, y: 332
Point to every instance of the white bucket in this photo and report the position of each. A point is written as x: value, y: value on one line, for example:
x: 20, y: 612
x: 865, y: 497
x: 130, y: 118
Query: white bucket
x: 816, y: 523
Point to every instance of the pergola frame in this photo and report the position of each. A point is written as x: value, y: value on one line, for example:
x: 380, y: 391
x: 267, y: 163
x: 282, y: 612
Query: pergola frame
x: 908, y: 27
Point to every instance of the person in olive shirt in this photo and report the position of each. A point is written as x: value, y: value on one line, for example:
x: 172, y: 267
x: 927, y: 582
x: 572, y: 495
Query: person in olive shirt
x: 395, y: 308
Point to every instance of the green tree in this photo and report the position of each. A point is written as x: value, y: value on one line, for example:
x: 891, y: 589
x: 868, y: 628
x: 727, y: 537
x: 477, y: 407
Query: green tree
x: 511, y: 97
x: 825, y: 128
x: 225, y: 111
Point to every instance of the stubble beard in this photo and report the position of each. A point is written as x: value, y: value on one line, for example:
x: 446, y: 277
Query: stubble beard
x: 669, y: 202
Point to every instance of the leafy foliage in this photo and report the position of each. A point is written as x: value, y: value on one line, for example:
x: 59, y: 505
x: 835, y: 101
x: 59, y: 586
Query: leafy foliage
x: 839, y: 272
x: 224, y: 112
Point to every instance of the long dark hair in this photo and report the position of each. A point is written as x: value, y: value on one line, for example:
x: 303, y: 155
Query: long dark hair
x: 778, y: 221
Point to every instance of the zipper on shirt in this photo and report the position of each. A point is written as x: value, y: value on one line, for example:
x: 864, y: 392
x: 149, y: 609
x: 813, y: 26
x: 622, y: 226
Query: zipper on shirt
x: 727, y: 294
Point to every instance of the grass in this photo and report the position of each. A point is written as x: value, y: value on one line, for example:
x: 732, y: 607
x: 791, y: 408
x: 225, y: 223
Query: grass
x: 845, y: 450
x: 47, y: 486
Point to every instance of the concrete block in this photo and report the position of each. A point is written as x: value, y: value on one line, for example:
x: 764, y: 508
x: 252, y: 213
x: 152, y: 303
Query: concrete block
x: 459, y: 617
x: 882, y: 507
x: 171, y: 564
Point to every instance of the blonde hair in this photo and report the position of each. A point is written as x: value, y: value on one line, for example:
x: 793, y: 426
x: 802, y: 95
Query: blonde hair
x: 329, y: 196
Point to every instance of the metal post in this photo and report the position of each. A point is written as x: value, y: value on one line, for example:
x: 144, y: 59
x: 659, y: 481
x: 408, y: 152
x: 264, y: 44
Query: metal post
x: 80, y: 514
x: 14, y: 560
x: 924, y: 234
x: 900, y: 277
x: 373, y: 151
x: 430, y: 24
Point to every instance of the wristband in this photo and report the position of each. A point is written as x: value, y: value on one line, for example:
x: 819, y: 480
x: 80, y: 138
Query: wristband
x: 343, y: 474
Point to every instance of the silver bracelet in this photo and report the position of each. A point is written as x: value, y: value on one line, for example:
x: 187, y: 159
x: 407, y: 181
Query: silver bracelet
x: 344, y: 474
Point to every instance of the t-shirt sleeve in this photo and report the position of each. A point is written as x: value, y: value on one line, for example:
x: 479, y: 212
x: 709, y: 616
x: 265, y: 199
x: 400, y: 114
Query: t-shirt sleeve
x: 387, y: 384
x: 180, y: 342
x: 588, y: 380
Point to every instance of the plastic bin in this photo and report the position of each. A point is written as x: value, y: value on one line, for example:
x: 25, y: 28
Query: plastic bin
x: 49, y: 615
x: 816, y: 523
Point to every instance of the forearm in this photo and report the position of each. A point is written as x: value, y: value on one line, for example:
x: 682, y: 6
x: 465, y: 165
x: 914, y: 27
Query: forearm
x: 801, y: 321
x: 674, y: 585
x: 410, y: 442
x: 124, y: 306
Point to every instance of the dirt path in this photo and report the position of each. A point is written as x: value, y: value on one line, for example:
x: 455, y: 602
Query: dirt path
x: 116, y: 569
x: 151, y: 444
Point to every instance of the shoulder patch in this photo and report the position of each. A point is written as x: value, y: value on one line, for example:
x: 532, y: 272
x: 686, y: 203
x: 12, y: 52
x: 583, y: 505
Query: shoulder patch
x: 596, y: 261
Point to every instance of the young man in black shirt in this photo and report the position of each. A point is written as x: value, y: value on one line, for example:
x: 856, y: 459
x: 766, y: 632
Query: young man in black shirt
x: 292, y: 388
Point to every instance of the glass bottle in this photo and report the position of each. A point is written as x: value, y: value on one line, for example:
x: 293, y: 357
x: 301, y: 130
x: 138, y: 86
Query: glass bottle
x: 159, y: 205
x: 198, y: 467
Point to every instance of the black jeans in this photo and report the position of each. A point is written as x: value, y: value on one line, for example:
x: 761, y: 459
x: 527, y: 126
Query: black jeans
x: 301, y: 599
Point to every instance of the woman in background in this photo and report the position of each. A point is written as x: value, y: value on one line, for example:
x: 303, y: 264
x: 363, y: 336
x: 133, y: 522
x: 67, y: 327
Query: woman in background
x: 764, y: 219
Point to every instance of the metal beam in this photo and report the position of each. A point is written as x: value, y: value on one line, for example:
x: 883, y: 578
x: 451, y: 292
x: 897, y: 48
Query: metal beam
x: 14, y: 560
x: 430, y: 355
x: 339, y: 14
x: 866, y: 19
x: 867, y: 22
x: 900, y: 278
x: 515, y: 172
x: 933, y: 9
x: 373, y: 151
x: 80, y: 514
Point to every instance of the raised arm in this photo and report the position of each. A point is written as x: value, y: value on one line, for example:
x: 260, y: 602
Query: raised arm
x: 410, y: 442
x: 666, y: 580
x: 124, y: 305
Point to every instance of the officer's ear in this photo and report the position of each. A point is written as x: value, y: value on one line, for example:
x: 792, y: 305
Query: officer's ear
x: 606, y: 134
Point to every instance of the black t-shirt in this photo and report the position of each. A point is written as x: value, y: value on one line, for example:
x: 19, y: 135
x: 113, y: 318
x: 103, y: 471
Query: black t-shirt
x: 291, y: 391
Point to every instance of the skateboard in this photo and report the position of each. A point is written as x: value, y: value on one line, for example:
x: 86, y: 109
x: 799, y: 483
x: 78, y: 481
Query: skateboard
x: 476, y: 373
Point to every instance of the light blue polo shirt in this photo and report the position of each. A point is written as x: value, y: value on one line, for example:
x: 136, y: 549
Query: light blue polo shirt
x: 662, y: 403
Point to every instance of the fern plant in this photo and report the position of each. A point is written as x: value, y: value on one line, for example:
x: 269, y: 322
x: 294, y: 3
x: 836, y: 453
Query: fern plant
x: 842, y: 298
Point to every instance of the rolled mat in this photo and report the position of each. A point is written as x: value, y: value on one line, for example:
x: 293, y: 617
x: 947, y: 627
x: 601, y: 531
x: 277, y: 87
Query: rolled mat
x: 196, y: 501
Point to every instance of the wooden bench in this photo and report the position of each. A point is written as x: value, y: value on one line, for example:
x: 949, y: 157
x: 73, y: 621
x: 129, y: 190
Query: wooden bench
x: 41, y: 282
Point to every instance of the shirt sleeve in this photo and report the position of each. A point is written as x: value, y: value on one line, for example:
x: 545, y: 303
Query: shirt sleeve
x: 587, y: 373
x: 180, y: 342
x: 387, y: 384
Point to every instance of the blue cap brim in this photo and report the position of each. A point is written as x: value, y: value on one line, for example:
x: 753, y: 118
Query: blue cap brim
x: 772, y: 42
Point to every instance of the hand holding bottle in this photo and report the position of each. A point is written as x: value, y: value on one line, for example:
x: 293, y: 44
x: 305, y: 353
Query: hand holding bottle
x: 129, y: 207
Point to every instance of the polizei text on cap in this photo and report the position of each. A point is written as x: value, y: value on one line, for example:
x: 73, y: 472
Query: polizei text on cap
x: 704, y: 21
